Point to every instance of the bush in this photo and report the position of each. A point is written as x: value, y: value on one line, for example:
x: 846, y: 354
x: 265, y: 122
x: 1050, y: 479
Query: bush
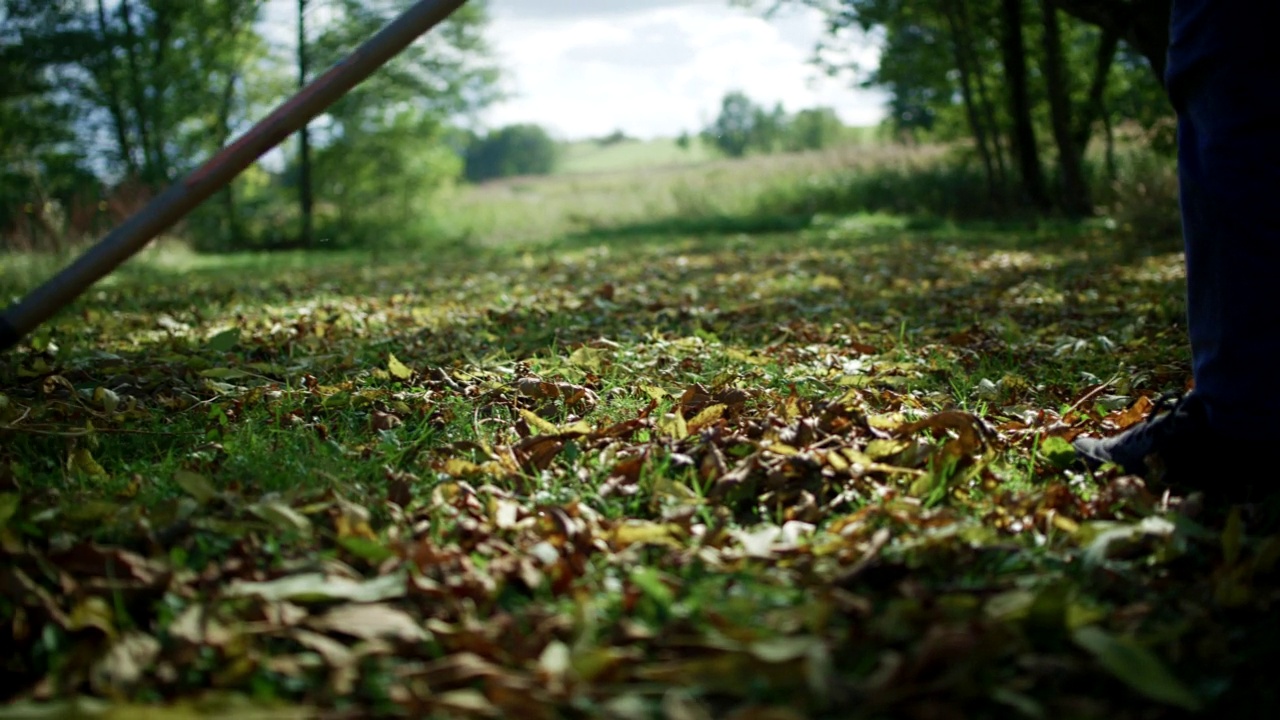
x: 510, y: 151
x: 949, y: 189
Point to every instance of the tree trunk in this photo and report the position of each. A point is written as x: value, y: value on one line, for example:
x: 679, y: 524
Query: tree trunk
x: 305, y: 198
x: 958, y: 42
x: 985, y: 102
x: 111, y: 94
x: 162, y: 27
x: 1075, y: 193
x: 230, y: 217
x: 1027, y: 153
x: 1093, y: 109
x: 137, y: 96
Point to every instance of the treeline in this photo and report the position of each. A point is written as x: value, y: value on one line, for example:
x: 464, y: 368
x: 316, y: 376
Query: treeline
x: 1031, y: 84
x: 105, y: 102
x: 743, y: 126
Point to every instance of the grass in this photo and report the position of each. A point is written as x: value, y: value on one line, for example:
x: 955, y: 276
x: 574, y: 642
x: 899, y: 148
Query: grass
x: 588, y: 156
x: 622, y: 467
x: 631, y: 155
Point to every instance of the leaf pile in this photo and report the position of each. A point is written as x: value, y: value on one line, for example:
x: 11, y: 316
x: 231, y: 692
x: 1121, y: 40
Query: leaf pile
x: 819, y: 474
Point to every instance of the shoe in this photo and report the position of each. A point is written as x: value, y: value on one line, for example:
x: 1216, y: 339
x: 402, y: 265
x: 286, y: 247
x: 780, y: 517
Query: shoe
x: 1173, y: 445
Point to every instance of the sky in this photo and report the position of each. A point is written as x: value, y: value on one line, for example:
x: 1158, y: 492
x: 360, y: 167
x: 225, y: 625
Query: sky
x: 655, y: 68
x: 651, y: 68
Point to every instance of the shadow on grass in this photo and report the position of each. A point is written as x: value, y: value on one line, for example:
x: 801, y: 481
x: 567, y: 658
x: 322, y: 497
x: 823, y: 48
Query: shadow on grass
x: 715, y: 225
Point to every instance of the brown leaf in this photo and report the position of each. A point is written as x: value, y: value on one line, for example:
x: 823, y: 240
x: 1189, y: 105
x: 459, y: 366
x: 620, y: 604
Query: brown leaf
x: 972, y: 432
x: 1130, y: 416
x: 537, y: 452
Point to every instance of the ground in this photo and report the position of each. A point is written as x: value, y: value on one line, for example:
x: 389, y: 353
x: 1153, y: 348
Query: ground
x: 816, y: 468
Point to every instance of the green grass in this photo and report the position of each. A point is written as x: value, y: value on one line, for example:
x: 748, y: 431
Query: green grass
x: 592, y: 157
x: 712, y: 461
x: 631, y: 155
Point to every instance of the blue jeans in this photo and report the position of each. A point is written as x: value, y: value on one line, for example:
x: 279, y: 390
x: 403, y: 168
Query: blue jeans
x: 1224, y: 81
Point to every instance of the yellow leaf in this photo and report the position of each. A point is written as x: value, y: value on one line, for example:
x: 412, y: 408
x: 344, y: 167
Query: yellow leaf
x: 398, y: 370
x: 673, y: 425
x: 542, y: 426
x: 93, y: 612
x: 650, y: 533
x: 891, y: 421
x: 457, y: 467
x: 880, y: 449
x: 709, y: 415
x: 655, y: 393
x: 666, y: 488
x: 81, y: 461
x: 822, y: 281
x: 106, y: 399
x: 581, y: 427
x: 592, y: 359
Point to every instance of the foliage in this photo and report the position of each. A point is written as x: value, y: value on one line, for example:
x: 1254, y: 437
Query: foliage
x: 813, y: 129
x: 743, y: 126
x: 523, y: 149
x: 813, y: 473
x: 158, y: 86
x: 1010, y: 75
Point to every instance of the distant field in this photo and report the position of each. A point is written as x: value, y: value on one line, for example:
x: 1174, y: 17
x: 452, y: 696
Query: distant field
x: 589, y: 156
x: 535, y: 209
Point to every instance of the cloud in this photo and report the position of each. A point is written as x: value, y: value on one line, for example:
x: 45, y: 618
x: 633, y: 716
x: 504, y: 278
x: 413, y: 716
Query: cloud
x: 658, y: 67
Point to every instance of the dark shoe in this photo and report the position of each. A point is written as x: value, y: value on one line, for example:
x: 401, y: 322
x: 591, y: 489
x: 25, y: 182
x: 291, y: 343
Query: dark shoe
x: 1173, y: 445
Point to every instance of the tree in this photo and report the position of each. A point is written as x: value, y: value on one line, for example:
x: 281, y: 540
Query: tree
x: 813, y: 129
x: 381, y: 150
x: 306, y: 193
x: 510, y: 151
x: 1007, y: 73
x: 731, y: 130
x: 44, y: 173
x: 96, y: 94
x: 1026, y: 150
x: 742, y: 125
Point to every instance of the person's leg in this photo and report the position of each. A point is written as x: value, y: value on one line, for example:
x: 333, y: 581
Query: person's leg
x: 1224, y: 81
x: 1229, y: 176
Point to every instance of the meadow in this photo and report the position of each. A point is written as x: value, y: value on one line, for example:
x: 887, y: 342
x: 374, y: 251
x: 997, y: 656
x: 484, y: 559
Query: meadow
x: 777, y: 438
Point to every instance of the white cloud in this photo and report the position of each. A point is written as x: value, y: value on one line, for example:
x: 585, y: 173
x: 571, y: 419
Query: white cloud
x: 658, y: 67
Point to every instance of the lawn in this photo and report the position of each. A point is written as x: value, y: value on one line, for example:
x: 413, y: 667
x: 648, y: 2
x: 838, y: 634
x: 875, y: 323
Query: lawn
x: 808, y: 469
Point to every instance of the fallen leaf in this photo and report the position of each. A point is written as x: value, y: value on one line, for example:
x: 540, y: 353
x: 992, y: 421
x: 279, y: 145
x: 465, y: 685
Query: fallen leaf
x: 371, y: 622
x: 398, y: 370
x: 319, y: 588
